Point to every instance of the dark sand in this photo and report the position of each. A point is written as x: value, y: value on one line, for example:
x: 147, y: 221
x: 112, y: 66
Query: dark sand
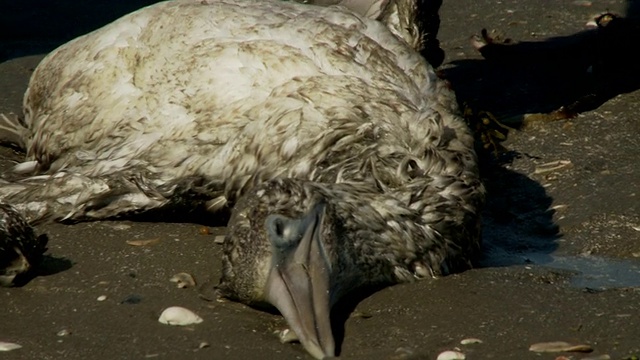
x: 563, y: 247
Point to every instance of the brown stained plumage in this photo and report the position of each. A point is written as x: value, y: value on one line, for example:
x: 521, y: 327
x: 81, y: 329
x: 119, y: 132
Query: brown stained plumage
x: 229, y: 94
x: 20, y: 249
x: 374, y: 238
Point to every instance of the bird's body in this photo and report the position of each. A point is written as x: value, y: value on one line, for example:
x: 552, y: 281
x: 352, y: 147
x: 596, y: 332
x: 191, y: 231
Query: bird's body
x: 314, y: 120
x: 229, y: 93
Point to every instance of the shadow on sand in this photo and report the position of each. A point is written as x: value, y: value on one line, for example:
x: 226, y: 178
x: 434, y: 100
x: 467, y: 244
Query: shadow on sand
x: 50, y: 265
x: 557, y: 78
x: 572, y: 74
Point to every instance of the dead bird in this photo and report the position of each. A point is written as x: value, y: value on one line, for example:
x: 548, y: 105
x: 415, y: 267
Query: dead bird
x: 302, y: 246
x: 345, y: 158
x: 20, y: 249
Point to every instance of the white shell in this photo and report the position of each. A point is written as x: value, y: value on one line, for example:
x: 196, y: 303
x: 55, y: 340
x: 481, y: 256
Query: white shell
x: 64, y: 332
x: 451, y: 355
x: 180, y: 316
x: 469, y: 341
x: 183, y: 280
x: 7, y: 346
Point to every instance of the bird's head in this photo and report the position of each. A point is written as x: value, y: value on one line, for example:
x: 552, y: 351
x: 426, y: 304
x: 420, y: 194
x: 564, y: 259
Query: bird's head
x: 279, y: 251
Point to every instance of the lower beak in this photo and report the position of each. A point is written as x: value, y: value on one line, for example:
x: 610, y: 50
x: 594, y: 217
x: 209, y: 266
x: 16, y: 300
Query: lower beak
x: 299, y: 280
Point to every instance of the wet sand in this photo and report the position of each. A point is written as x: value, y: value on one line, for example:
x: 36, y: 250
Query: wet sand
x: 562, y: 254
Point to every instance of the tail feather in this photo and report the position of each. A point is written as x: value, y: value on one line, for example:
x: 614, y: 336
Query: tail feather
x: 13, y: 131
x: 67, y: 196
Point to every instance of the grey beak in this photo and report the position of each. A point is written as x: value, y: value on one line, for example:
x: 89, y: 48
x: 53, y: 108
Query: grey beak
x: 299, y: 280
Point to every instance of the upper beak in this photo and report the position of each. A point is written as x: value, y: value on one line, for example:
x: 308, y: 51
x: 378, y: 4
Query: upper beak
x: 299, y: 280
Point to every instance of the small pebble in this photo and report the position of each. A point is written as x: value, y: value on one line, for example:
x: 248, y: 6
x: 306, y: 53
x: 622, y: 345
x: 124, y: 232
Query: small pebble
x: 64, y: 332
x: 582, y: 3
x: 102, y: 298
x: 361, y: 315
x: 402, y: 353
x: 121, y: 227
x: 451, y: 355
x: 179, y: 316
x: 7, y: 346
x: 597, y: 357
x: 468, y: 341
x: 203, y: 345
x: 219, y: 239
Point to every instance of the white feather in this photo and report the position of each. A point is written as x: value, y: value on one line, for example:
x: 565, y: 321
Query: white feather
x: 25, y: 167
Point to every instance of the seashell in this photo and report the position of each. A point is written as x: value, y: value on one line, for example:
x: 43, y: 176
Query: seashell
x: 559, y: 346
x: 63, y: 332
x: 591, y: 24
x: 469, y: 341
x: 287, y: 336
x: 183, y: 280
x: 179, y: 316
x: 451, y: 355
x: 7, y: 346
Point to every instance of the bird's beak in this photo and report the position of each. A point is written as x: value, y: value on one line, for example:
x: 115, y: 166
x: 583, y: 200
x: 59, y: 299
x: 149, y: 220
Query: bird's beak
x: 299, y: 280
